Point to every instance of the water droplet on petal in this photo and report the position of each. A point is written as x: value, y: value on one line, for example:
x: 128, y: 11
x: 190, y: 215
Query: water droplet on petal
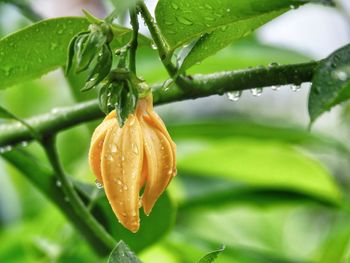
x: 125, y: 187
x: 113, y: 148
x: 135, y: 149
x: 99, y: 185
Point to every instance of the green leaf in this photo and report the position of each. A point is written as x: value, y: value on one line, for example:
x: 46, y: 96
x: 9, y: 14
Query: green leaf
x: 331, y: 83
x: 122, y: 254
x: 5, y: 114
x: 225, y: 129
x: 37, y: 49
x: 209, y: 43
x: 214, y: 24
x: 211, y: 256
x: 42, y: 47
x: 259, y: 164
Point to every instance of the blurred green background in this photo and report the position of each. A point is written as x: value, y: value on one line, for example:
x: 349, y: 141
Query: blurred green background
x: 250, y: 175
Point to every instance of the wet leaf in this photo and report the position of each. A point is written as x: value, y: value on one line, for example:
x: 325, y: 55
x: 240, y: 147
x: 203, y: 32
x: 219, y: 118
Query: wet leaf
x: 122, y: 254
x: 331, y: 83
x: 211, y: 256
x: 214, y: 24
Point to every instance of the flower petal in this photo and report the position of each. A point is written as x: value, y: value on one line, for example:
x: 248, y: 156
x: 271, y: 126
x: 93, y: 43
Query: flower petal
x: 160, y: 163
x: 97, y: 140
x: 154, y: 120
x: 121, y: 171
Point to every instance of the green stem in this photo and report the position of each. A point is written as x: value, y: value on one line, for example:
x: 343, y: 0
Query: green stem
x: 163, y: 50
x: 198, y: 86
x: 133, y: 44
x: 46, y: 181
x: 71, y: 195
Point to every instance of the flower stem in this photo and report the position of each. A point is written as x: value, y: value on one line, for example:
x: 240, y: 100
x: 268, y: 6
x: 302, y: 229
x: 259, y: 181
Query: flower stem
x: 133, y: 44
x: 163, y: 50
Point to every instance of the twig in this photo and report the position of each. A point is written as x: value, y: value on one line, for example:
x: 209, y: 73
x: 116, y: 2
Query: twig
x: 133, y: 44
x: 72, y: 196
x: 199, y: 86
x: 162, y: 47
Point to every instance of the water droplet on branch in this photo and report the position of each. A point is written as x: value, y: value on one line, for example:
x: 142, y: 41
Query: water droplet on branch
x: 234, y: 95
x: 256, y: 92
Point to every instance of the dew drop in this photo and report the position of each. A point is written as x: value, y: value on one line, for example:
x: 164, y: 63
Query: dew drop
x: 58, y: 183
x: 98, y: 184
x: 184, y: 21
x: 135, y: 149
x: 175, y: 6
x: 114, y: 148
x: 341, y: 75
x: 53, y: 46
x: 125, y: 187
x: 110, y: 157
x: 228, y: 10
x: 295, y: 88
x: 5, y: 149
x: 209, y: 18
x: 209, y: 6
x: 234, y: 95
x: 24, y: 144
x: 66, y: 199
x: 276, y: 87
x: 123, y: 158
x: 256, y: 92
x: 273, y: 64
x: 119, y: 182
x: 154, y: 46
x: 167, y: 84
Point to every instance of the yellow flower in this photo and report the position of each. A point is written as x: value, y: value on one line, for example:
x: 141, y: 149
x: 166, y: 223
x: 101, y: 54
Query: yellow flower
x: 126, y: 159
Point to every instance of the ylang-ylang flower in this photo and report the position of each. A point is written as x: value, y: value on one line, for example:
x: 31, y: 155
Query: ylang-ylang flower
x: 139, y: 157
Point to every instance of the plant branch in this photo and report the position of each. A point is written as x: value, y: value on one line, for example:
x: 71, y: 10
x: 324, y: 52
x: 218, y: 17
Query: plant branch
x: 72, y: 197
x: 162, y: 47
x: 133, y: 44
x: 45, y: 180
x: 198, y: 86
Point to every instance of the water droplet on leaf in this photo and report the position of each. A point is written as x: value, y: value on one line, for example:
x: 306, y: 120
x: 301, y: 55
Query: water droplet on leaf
x: 184, y: 21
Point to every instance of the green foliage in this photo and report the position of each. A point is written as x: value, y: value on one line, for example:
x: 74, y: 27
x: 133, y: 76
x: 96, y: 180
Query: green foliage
x: 5, y: 114
x: 331, y: 83
x: 122, y: 254
x: 213, y: 26
x: 271, y: 165
x: 240, y: 182
x: 37, y: 49
x: 211, y: 256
